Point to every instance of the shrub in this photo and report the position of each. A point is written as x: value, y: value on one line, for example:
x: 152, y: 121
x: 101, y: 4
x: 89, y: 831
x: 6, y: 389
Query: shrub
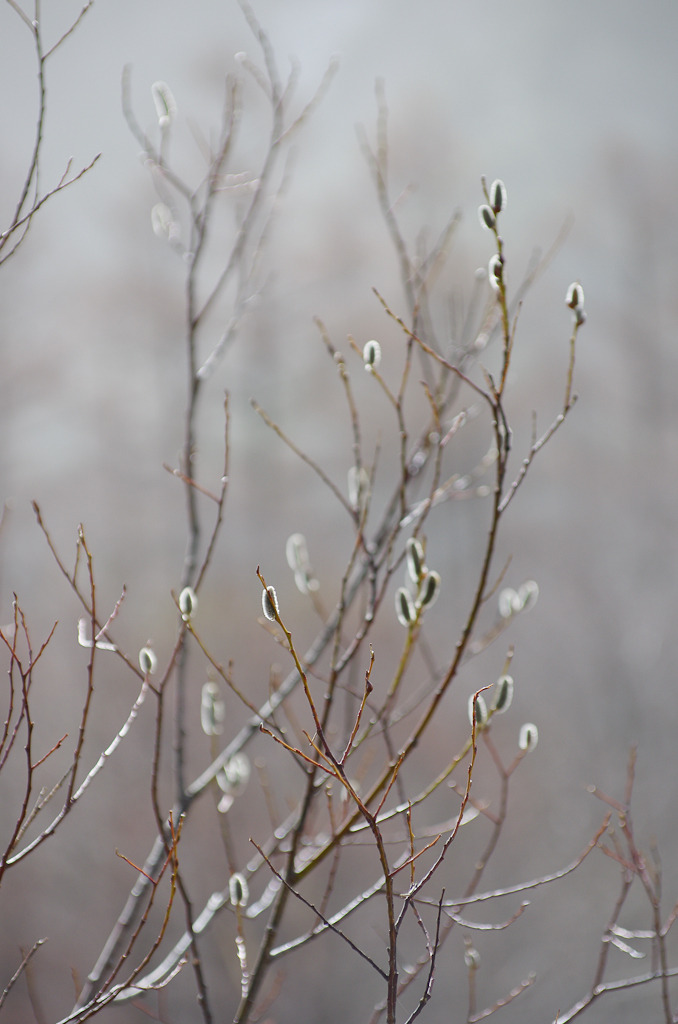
x: 391, y: 826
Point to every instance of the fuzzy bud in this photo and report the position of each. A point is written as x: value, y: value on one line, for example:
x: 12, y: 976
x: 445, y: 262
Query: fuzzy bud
x: 430, y: 588
x: 162, y: 221
x: 165, y: 104
x: 211, y: 710
x: 234, y: 775
x: 503, y: 694
x: 495, y: 271
x: 478, y: 704
x: 575, y: 296
x: 297, y: 552
x: 414, y: 553
x: 358, y: 486
x: 472, y: 958
x: 148, y: 662
x: 371, y: 355
x: 529, y: 737
x: 188, y: 603
x: 509, y: 603
x: 299, y: 562
x: 306, y: 583
x: 486, y: 217
x: 269, y: 603
x: 497, y: 196
x: 404, y: 607
x: 238, y: 891
x: 528, y: 593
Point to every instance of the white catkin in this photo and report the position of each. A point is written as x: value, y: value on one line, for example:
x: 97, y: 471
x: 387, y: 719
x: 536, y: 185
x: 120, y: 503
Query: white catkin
x: 269, y: 603
x: 415, y: 559
x: 372, y: 355
x: 358, y: 486
x: 504, y: 694
x: 480, y: 710
x: 296, y: 552
x: 509, y: 603
x: 495, y: 271
x: 234, y: 775
x: 528, y: 593
x: 238, y: 890
x: 165, y: 104
x: 212, y: 710
x: 529, y: 737
x: 498, y: 195
x: 188, y: 603
x: 148, y: 662
x: 486, y: 217
x: 575, y: 296
x: 404, y: 607
x: 430, y: 589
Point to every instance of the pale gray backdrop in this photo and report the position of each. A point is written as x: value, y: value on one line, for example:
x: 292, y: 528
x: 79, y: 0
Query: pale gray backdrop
x: 573, y: 105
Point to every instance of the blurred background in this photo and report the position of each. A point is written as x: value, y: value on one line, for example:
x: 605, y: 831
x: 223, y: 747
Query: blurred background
x: 573, y: 106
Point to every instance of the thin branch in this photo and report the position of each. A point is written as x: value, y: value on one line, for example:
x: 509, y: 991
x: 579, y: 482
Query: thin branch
x: 27, y: 957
